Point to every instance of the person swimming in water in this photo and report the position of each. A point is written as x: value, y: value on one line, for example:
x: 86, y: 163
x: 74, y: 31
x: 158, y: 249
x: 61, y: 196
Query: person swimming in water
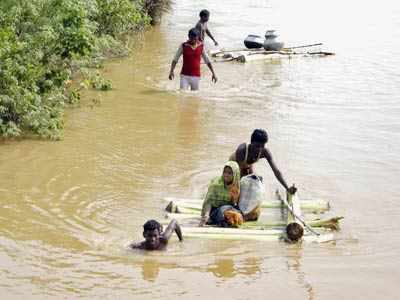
x: 154, y: 236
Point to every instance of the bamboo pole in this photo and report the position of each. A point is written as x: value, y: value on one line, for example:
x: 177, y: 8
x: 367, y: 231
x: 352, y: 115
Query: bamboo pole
x: 308, y: 205
x: 276, y: 55
x: 303, y: 46
x: 260, y: 56
x: 229, y: 231
x: 323, y: 238
x: 217, y: 53
x: 330, y: 223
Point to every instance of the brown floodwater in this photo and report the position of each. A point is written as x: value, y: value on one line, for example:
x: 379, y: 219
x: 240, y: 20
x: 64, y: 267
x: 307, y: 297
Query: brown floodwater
x: 69, y: 208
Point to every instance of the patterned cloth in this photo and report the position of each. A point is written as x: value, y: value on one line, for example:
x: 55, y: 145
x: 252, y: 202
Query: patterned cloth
x: 218, y: 216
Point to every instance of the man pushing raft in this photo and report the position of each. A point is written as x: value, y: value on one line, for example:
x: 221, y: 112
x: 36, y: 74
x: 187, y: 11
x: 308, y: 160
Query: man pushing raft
x: 248, y: 154
x: 222, y: 204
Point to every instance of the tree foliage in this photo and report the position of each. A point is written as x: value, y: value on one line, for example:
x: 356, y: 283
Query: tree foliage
x: 39, y: 42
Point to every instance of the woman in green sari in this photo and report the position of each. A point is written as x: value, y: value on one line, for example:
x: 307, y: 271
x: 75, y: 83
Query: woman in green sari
x: 222, y: 196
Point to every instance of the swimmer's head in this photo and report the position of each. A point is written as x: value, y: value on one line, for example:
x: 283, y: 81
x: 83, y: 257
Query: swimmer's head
x: 152, y: 231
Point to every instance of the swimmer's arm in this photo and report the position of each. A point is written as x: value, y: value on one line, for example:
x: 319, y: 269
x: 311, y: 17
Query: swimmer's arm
x: 172, y: 226
x: 137, y: 245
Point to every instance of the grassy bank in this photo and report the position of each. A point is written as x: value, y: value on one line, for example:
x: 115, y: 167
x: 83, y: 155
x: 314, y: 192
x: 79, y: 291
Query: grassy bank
x: 43, y: 42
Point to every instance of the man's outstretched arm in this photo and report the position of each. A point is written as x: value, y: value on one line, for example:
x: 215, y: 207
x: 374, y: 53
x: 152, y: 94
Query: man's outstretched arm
x: 211, y: 37
x: 172, y: 226
x: 277, y: 172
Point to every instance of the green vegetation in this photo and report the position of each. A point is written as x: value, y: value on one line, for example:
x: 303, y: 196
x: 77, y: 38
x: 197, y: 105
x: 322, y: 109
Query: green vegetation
x: 44, y: 42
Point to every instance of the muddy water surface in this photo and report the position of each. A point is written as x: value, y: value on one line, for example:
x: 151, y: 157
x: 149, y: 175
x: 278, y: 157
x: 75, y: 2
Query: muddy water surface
x: 69, y: 208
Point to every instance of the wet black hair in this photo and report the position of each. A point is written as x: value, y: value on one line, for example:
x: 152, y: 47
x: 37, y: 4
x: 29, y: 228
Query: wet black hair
x: 204, y: 13
x: 259, y: 136
x: 193, y: 33
x: 151, y: 225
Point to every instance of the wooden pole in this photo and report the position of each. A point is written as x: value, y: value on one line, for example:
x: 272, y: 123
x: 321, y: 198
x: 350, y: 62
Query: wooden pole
x: 303, y: 46
x: 317, y: 205
x: 329, y: 223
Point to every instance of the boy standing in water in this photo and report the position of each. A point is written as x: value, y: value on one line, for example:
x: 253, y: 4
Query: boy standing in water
x: 202, y: 27
x: 192, y: 52
x: 248, y: 154
x: 155, y: 237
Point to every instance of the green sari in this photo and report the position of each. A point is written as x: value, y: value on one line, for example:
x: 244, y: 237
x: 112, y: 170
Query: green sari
x: 219, y: 194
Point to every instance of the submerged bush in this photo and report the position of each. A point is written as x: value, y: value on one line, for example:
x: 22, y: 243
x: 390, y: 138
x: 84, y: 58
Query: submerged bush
x: 155, y: 8
x: 41, y: 42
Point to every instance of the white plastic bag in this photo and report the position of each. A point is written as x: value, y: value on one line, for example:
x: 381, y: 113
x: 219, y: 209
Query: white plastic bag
x: 252, y: 193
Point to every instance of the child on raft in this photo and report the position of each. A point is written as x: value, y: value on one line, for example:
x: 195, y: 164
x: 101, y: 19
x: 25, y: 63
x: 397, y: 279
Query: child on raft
x: 155, y: 237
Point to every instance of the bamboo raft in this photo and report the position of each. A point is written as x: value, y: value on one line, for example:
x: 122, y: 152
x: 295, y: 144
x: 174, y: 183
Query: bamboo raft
x: 247, y: 55
x: 292, y: 228
x: 316, y: 206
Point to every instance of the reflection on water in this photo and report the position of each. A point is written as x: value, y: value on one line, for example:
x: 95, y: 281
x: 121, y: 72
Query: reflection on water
x: 226, y: 268
x: 68, y: 207
x: 151, y: 269
x: 294, y: 263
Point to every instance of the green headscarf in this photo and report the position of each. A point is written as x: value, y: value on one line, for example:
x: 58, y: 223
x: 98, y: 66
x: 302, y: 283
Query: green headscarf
x: 218, y: 194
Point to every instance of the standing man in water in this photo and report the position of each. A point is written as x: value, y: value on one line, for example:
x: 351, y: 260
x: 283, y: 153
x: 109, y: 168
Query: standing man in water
x: 192, y: 52
x: 248, y: 154
x: 202, y: 27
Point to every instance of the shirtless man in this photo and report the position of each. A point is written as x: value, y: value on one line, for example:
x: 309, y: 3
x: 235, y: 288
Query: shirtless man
x: 155, y: 237
x: 248, y: 154
x: 202, y: 26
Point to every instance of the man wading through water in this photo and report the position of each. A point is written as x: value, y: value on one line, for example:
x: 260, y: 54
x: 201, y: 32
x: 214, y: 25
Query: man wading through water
x: 248, y: 154
x: 192, y: 52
